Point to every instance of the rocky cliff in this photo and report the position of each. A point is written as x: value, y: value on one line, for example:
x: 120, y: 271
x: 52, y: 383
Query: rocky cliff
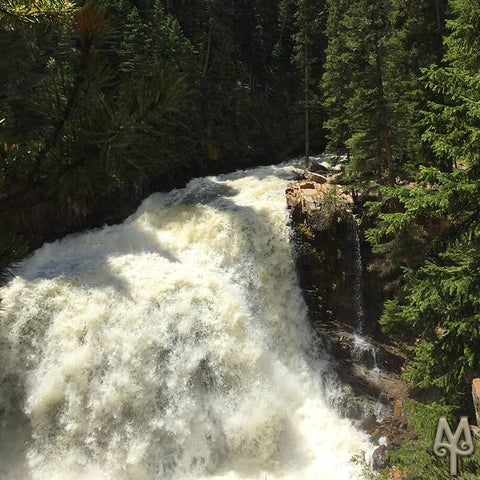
x: 345, y: 301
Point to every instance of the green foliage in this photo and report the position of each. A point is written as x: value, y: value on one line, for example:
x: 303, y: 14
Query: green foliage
x: 336, y: 88
x: 87, y: 145
x: 438, y: 302
x: 104, y: 99
x: 443, y: 305
x: 12, y: 249
x: 168, y: 41
x: 135, y: 45
x: 333, y: 210
x: 74, y: 126
x: 416, y: 457
x: 372, y: 86
x: 308, y: 56
x: 357, y: 110
x: 451, y: 122
x: 14, y: 12
x: 114, y: 97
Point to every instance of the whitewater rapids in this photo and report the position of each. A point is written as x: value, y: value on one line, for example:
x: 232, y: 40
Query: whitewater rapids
x: 173, y: 346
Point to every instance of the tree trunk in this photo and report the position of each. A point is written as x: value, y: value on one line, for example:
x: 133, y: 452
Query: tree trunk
x: 388, y: 150
x: 307, y: 123
x: 437, y: 11
x: 383, y: 116
x: 207, y: 55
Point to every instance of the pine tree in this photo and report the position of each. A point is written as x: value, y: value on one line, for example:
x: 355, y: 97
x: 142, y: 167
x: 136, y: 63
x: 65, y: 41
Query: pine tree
x: 372, y: 88
x: 309, y: 44
x: 169, y: 42
x: 14, y: 13
x: 134, y: 45
x: 86, y: 125
x: 417, y: 30
x: 439, y: 303
x: 28, y: 31
x: 337, y: 88
x: 361, y: 107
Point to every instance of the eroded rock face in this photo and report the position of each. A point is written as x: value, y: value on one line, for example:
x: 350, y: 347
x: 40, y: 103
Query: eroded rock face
x: 345, y: 301
x: 330, y: 250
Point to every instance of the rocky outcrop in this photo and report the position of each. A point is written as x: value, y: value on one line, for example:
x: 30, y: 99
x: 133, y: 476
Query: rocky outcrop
x: 379, y: 457
x: 320, y: 219
x: 328, y: 257
x: 346, y: 300
x: 310, y: 200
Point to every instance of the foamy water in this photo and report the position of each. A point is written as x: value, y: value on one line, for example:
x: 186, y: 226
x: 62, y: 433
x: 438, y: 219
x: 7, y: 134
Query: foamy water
x: 173, y: 346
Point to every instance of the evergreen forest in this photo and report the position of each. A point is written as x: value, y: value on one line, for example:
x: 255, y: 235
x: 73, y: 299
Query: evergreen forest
x: 103, y: 102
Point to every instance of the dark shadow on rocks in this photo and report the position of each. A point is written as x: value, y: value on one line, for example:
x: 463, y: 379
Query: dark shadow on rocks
x: 331, y: 264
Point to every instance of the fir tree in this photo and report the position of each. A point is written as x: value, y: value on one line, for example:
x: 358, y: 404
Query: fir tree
x: 135, y: 44
x: 362, y: 109
x: 308, y: 56
x: 371, y: 85
x: 439, y: 303
x: 337, y: 88
x: 86, y: 137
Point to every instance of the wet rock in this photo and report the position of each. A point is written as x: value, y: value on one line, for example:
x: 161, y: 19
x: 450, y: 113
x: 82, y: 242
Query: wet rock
x: 353, y: 408
x: 306, y: 185
x: 329, y: 247
x: 375, y: 435
x: 318, y: 168
x: 369, y: 423
x: 379, y: 458
x: 389, y: 360
x: 317, y: 178
x: 310, y: 196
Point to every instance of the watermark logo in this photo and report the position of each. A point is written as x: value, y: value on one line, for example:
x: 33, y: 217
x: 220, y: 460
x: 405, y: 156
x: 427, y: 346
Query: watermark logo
x: 452, y: 445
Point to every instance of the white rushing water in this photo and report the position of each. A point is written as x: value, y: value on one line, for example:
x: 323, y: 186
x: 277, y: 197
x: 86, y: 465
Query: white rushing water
x: 363, y: 350
x: 173, y: 346
x: 357, y: 279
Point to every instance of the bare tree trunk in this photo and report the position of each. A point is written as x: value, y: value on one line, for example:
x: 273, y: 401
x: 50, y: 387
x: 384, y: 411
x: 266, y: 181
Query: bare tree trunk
x: 207, y: 55
x: 384, y: 126
x: 307, y: 123
x: 437, y: 11
x: 388, y: 150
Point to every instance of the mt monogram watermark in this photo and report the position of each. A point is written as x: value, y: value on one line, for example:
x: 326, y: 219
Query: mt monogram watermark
x: 452, y: 445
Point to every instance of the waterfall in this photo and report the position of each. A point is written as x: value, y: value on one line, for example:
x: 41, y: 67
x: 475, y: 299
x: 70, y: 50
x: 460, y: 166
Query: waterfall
x: 357, y: 268
x: 363, y: 351
x: 173, y: 346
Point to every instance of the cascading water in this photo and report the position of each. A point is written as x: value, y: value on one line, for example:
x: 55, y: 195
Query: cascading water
x: 357, y: 279
x: 363, y: 350
x: 173, y: 346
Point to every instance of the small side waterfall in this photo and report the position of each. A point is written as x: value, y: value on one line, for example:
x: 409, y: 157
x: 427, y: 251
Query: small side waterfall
x: 363, y: 350
x: 357, y: 283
